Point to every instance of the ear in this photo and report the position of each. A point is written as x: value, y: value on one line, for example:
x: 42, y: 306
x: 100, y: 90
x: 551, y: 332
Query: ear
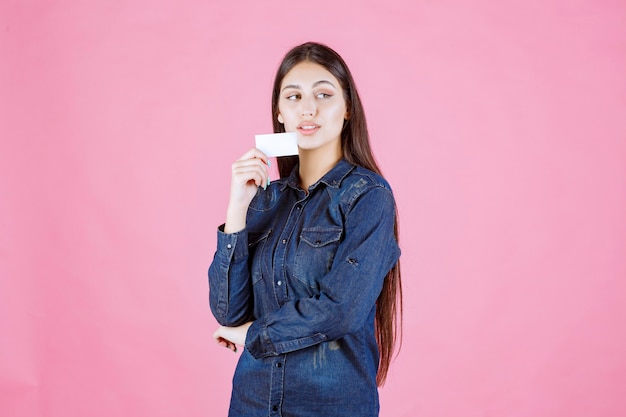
x: 347, y: 115
x: 280, y: 119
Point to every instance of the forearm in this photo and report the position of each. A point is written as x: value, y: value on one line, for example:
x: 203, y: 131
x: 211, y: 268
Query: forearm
x: 230, y: 290
x: 235, y: 218
x: 330, y: 315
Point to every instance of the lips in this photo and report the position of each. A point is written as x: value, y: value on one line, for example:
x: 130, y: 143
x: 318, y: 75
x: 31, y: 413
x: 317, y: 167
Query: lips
x: 308, y: 128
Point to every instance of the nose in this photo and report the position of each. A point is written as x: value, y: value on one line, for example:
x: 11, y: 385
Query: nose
x: 307, y: 107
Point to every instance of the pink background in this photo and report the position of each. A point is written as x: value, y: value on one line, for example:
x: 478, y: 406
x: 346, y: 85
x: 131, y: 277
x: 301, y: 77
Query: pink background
x: 501, y: 126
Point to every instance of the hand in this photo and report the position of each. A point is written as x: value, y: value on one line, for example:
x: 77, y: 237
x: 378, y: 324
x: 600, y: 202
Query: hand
x: 248, y: 172
x: 230, y: 337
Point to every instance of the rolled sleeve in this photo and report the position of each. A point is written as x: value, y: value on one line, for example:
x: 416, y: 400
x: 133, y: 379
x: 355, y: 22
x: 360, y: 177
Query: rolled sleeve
x: 258, y: 342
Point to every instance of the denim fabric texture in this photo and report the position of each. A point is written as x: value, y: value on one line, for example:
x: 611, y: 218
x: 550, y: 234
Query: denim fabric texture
x: 307, y: 270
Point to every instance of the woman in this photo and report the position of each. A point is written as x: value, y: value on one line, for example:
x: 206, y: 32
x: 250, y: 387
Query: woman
x: 306, y: 273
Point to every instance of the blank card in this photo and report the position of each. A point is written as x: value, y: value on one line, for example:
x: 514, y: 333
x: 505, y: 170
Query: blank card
x: 278, y: 144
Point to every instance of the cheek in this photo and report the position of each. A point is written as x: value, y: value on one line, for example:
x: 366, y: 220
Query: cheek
x: 339, y: 113
x: 286, y: 114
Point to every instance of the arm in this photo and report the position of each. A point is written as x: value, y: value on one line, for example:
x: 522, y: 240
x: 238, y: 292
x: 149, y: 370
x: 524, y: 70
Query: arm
x: 229, y: 284
x: 347, y: 293
x: 230, y: 289
x: 248, y: 173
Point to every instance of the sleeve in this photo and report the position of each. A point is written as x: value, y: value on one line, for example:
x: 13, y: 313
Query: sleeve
x: 230, y: 292
x: 348, y: 292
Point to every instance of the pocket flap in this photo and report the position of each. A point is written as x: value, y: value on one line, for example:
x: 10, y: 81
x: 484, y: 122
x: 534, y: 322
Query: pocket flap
x: 318, y: 237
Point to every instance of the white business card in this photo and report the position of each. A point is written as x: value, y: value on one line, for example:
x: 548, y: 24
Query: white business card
x: 278, y: 144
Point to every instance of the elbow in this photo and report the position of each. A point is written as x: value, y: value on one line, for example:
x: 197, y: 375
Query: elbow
x: 225, y: 317
x: 341, y: 323
x: 346, y: 319
x: 229, y: 312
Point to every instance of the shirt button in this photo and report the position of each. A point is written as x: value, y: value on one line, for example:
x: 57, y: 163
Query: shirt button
x: 299, y: 207
x: 279, y: 364
x: 275, y: 408
x: 229, y: 246
x: 284, y: 241
x: 279, y: 283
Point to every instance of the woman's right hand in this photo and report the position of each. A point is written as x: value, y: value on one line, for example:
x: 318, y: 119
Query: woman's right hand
x: 248, y: 173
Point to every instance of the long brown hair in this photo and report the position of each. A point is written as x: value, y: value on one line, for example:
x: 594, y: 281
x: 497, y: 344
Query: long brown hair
x: 356, y: 150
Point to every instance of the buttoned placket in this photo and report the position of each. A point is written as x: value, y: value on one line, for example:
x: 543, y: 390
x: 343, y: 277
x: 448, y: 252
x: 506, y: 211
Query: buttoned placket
x: 277, y: 385
x: 280, y: 266
x: 280, y: 291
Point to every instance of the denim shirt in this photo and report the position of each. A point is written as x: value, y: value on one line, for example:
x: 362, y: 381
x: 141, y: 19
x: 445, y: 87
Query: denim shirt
x: 307, y: 269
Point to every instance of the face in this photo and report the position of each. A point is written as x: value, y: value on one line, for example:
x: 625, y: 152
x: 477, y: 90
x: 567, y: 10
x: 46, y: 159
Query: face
x: 311, y: 103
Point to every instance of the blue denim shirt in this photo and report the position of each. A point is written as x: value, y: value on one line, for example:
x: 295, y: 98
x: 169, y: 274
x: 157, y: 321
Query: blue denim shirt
x: 307, y: 270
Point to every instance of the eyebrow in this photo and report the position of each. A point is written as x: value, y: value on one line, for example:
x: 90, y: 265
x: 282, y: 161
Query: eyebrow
x: 315, y: 84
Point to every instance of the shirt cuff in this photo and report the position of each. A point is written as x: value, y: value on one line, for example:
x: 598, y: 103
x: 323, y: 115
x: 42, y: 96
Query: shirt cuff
x: 258, y: 342
x: 232, y: 246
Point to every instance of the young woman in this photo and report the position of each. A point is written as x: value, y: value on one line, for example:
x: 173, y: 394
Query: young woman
x: 306, y: 274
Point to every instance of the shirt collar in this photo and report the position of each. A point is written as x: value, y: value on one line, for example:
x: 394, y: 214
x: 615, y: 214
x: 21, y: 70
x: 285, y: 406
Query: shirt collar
x: 332, y: 178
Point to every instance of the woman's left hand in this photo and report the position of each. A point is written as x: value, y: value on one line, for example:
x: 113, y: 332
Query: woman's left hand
x: 230, y: 337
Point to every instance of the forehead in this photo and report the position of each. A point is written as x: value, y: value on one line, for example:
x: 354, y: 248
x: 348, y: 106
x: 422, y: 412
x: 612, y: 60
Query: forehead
x: 305, y: 74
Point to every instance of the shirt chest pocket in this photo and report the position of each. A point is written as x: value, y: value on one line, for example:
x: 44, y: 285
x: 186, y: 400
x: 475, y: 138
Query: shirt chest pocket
x: 315, y: 254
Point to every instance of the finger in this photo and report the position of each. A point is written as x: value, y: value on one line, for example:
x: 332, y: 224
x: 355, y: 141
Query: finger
x: 244, y: 176
x: 260, y: 168
x: 225, y: 343
x: 228, y: 345
x: 250, y: 164
x: 255, y: 153
x: 217, y: 335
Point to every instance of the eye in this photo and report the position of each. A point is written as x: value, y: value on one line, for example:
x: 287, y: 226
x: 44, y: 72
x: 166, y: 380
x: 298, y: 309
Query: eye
x: 323, y: 95
x: 293, y: 96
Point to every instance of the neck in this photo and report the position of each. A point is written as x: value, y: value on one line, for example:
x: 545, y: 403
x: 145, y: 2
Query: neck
x: 314, y: 164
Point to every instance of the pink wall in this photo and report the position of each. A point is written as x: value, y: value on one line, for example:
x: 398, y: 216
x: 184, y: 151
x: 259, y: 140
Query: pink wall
x: 501, y: 126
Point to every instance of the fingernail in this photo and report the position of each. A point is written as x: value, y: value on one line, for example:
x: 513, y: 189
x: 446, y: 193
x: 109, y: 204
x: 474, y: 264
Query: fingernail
x: 268, y: 181
x: 269, y: 163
